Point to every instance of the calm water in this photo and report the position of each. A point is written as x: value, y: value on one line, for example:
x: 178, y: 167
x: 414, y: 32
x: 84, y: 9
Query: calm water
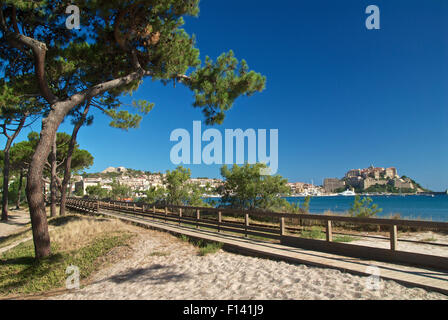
x: 413, y: 207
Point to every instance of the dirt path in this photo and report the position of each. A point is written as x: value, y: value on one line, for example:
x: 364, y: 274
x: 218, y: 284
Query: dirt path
x: 18, y: 221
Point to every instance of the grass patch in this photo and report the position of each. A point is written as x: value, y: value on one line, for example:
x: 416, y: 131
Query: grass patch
x: 20, y: 273
x: 205, y: 247
x: 209, y: 247
x: 184, y: 238
x: 343, y: 238
x: 317, y: 233
x: 159, y: 254
x: 313, y: 233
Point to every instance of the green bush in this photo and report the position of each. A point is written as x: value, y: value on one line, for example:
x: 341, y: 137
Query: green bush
x: 363, y: 208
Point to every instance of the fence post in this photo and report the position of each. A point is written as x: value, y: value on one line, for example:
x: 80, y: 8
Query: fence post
x: 219, y: 221
x: 180, y: 216
x: 246, y: 224
x: 393, y: 237
x: 198, y: 216
x: 166, y: 212
x: 98, y: 206
x: 329, y: 231
x: 282, y: 226
x: 135, y: 207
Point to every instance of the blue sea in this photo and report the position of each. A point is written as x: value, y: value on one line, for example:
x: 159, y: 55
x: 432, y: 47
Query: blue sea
x: 422, y: 207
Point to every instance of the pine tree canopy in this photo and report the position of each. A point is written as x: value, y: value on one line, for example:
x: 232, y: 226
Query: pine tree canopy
x: 117, y: 40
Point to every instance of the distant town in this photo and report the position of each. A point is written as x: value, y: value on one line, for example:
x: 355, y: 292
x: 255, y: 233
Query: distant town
x: 372, y: 180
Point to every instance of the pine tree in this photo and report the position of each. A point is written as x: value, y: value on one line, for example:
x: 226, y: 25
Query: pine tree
x: 121, y: 44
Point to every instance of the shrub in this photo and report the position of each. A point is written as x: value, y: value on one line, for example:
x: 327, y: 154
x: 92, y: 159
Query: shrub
x: 362, y: 208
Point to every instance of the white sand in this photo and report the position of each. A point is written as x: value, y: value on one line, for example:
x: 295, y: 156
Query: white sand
x: 163, y: 267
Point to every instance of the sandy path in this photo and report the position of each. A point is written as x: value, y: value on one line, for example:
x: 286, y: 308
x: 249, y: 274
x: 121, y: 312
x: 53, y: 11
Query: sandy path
x: 163, y: 267
x: 18, y: 219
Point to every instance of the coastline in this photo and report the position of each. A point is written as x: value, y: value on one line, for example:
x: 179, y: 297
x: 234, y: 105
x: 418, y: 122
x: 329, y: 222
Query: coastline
x: 412, y: 207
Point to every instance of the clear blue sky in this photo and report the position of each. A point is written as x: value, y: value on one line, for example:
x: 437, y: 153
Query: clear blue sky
x: 341, y: 96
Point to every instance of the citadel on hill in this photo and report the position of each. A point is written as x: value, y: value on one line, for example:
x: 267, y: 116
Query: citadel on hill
x: 373, y: 179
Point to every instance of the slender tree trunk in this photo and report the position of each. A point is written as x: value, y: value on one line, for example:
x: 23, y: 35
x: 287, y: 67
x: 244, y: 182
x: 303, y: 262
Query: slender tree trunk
x: 5, y: 183
x: 53, y: 184
x: 68, y: 162
x: 19, y: 193
x: 9, y: 142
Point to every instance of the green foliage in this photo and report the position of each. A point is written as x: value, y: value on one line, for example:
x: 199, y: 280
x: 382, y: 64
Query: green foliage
x: 306, y: 204
x: 13, y: 191
x: 154, y: 195
x: 179, y: 191
x: 117, y: 39
x: 297, y: 208
x: 246, y: 188
x: 176, y: 185
x: 79, y: 192
x: 313, y: 233
x: 210, y: 248
x: 81, y: 159
x: 293, y: 207
x: 18, y: 98
x: 218, y: 84
x: 362, y: 208
x: 21, y: 154
x: 97, y: 192
x: 120, y: 191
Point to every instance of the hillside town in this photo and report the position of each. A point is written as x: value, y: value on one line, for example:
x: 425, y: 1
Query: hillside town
x: 368, y: 180
x: 138, y: 181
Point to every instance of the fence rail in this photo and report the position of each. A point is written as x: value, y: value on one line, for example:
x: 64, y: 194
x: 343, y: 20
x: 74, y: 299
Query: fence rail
x: 212, y: 219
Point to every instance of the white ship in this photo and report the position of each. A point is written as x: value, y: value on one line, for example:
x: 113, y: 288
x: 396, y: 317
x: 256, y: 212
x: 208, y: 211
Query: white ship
x: 347, y: 193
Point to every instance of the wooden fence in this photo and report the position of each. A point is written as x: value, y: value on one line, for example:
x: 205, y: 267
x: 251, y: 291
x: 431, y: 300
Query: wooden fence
x: 212, y: 219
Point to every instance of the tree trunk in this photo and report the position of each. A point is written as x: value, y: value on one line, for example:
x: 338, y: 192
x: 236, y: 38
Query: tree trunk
x: 5, y: 183
x: 50, y: 125
x: 34, y: 186
x: 68, y: 162
x: 19, y: 193
x: 9, y: 142
x: 53, y: 184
